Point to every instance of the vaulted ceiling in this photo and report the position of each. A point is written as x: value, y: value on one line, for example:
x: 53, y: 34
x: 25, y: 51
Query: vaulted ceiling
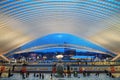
x: 25, y: 20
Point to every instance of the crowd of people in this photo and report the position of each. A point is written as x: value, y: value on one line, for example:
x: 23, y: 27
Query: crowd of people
x: 25, y: 74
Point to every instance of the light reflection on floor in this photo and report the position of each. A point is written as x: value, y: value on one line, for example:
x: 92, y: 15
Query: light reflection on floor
x: 47, y: 77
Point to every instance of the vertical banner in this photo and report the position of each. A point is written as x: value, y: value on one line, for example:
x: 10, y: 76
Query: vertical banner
x: 54, y: 69
x: 112, y: 69
x: 2, y: 68
x: 80, y: 69
x: 23, y: 69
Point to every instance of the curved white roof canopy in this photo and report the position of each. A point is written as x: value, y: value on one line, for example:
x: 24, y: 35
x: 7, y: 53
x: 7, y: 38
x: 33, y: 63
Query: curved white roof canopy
x: 25, y: 20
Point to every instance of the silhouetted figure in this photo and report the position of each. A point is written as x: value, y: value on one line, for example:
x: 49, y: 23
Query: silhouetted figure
x: 13, y: 67
x: 37, y: 75
x: 105, y: 71
x: 23, y: 72
x: 113, y: 76
x: 0, y: 73
x: 27, y: 74
x: 42, y: 76
x: 97, y: 74
x: 85, y: 63
x: 51, y: 76
x: 34, y: 74
x: 9, y: 72
x: 109, y: 74
x: 84, y: 73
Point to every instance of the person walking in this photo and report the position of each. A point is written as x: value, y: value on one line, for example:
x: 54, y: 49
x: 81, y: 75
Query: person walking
x: 51, y: 76
x: 42, y: 76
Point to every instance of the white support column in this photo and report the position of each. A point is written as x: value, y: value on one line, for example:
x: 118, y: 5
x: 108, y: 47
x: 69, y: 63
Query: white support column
x: 5, y: 58
x: 116, y: 57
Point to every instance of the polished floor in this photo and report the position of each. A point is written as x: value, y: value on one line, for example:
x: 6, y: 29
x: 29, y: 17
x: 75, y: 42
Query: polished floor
x: 47, y: 77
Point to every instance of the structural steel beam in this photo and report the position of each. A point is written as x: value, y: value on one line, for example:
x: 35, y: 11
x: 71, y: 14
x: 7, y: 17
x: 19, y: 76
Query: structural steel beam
x: 116, y: 57
x: 5, y: 58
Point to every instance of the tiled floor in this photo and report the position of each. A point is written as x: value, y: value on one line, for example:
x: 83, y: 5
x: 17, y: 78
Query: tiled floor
x: 47, y: 77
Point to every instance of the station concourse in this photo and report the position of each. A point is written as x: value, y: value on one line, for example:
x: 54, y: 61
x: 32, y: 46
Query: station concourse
x: 59, y: 40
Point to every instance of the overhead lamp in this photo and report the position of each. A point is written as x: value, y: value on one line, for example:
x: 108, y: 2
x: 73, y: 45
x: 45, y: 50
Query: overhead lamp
x: 44, y: 57
x: 59, y: 56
